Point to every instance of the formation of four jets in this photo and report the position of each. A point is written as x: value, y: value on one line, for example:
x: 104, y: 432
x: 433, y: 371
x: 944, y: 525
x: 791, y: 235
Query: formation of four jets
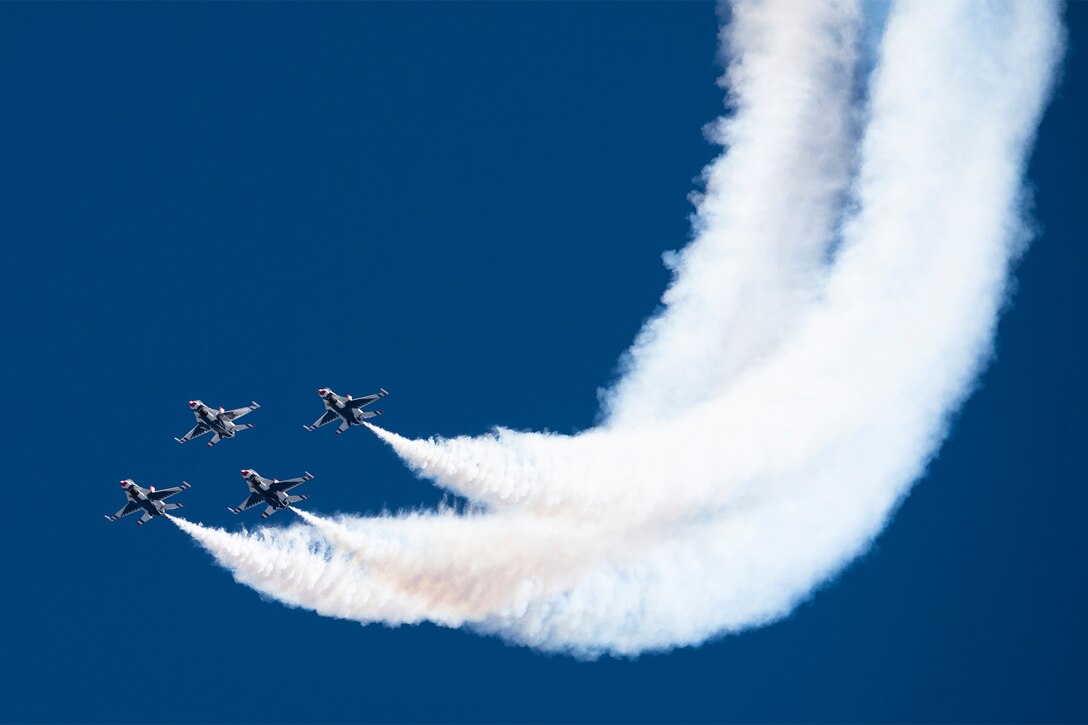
x: 221, y: 424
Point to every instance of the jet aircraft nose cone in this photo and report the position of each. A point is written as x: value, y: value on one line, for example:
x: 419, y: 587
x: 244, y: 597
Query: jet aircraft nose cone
x: 245, y: 471
x: 322, y: 391
x: 192, y: 403
x: 124, y: 483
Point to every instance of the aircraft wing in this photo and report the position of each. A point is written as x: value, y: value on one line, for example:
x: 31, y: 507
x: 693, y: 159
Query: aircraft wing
x: 365, y: 400
x: 167, y: 492
x: 250, y: 502
x: 325, y: 419
x: 238, y: 412
x: 288, y: 484
x: 129, y: 508
x: 198, y: 430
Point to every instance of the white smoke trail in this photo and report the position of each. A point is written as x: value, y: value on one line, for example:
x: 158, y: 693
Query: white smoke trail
x: 405, y: 569
x: 766, y: 219
x: 443, y: 559
x: 809, y: 399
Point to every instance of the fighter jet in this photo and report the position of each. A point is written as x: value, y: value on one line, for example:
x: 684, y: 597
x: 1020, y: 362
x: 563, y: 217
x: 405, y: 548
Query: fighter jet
x: 348, y: 410
x: 271, y: 491
x: 148, y: 499
x: 219, y: 422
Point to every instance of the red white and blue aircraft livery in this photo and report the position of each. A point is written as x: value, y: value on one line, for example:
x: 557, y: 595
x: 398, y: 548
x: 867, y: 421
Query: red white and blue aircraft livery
x: 271, y: 491
x: 148, y: 500
x: 349, y: 411
x: 219, y: 422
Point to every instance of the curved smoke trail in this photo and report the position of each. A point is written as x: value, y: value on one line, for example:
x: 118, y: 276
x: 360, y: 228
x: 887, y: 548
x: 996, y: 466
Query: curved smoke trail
x: 814, y: 357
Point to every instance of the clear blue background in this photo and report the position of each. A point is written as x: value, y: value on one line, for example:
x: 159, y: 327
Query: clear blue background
x: 465, y: 204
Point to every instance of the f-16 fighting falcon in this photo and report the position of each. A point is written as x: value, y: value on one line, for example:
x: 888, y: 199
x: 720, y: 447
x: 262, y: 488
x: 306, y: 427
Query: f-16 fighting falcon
x: 147, y: 499
x: 219, y: 422
x: 347, y: 410
x: 270, y: 491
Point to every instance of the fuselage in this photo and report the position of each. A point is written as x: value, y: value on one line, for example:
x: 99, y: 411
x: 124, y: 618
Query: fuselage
x: 276, y: 499
x: 210, y: 417
x: 339, y: 405
x: 140, y: 498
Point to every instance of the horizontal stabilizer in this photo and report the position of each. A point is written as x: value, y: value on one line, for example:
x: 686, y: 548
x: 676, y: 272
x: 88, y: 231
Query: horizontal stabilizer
x: 186, y: 484
x: 308, y: 476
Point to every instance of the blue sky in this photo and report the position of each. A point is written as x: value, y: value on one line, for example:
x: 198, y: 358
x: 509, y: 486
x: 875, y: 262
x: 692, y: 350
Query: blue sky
x: 465, y: 204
